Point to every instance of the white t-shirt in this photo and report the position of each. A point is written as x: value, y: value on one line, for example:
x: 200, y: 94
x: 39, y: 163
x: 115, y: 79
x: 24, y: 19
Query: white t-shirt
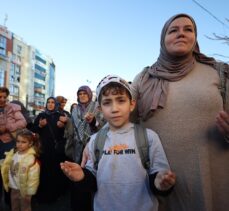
x: 122, y: 180
x: 14, y: 171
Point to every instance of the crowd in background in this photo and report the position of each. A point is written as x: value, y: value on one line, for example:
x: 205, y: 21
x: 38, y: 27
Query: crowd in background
x: 62, y: 136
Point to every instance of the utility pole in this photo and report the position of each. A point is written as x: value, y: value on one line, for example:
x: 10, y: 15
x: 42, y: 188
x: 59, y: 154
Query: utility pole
x: 5, y: 19
x: 26, y: 101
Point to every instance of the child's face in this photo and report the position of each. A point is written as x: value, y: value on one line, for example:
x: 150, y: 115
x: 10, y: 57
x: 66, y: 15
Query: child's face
x: 22, y: 144
x: 116, y: 109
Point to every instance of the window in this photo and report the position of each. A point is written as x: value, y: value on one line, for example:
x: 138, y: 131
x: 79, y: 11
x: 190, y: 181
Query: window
x: 40, y: 59
x: 11, y: 89
x: 39, y: 103
x: 2, y: 42
x: 19, y: 59
x: 12, y: 68
x: 38, y: 85
x: 38, y: 67
x: 11, y: 78
x: 1, y: 77
x: 39, y: 95
x: 38, y: 76
x: 2, y: 45
x: 17, y: 69
x: 19, y: 49
x: 13, y: 57
x: 14, y: 90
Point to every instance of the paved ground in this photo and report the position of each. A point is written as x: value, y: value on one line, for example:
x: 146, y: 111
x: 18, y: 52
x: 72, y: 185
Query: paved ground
x: 62, y: 204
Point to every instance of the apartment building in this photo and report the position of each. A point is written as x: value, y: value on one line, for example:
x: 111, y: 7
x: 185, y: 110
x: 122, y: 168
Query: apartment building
x: 26, y: 71
x: 6, y: 46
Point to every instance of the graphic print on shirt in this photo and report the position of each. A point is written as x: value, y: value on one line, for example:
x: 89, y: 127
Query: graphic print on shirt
x: 119, y: 149
x: 14, y: 167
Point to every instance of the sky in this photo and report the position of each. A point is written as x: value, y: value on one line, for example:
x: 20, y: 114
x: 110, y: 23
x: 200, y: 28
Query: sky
x: 89, y: 39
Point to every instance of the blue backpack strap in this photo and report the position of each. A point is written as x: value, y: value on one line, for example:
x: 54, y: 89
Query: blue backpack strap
x: 142, y: 143
x: 99, y: 143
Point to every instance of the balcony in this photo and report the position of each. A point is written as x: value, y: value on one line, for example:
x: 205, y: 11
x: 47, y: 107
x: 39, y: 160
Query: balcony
x: 38, y: 90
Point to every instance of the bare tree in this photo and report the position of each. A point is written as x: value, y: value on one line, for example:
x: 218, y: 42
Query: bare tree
x: 223, y: 38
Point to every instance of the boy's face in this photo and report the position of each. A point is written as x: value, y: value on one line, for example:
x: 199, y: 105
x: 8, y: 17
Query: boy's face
x: 116, y: 109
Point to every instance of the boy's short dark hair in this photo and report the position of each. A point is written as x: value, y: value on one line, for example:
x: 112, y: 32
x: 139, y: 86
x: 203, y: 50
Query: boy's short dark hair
x: 5, y: 90
x: 114, y: 88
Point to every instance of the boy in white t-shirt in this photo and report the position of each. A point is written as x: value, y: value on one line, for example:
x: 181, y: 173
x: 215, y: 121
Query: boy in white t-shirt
x: 120, y: 180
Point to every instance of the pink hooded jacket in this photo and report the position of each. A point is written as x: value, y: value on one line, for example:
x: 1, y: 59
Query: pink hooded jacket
x: 13, y: 120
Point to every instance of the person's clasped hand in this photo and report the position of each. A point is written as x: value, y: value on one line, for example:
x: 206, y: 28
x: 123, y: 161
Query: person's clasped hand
x: 89, y: 117
x: 60, y: 124
x: 42, y: 122
x: 63, y: 119
x: 2, y: 129
x: 222, y: 122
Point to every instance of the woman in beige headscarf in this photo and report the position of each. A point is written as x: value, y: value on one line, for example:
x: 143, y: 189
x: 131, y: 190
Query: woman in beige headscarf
x: 179, y: 98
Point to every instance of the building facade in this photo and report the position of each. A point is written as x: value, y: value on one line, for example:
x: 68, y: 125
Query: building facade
x: 26, y: 71
x: 6, y: 46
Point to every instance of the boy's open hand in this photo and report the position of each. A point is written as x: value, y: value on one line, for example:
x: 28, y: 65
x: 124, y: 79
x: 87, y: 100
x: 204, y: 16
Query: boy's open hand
x: 165, y: 180
x: 72, y: 170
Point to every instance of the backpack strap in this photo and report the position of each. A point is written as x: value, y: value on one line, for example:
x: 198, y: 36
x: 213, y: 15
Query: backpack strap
x: 142, y: 143
x: 222, y: 77
x: 226, y: 104
x: 99, y: 143
x: 141, y: 139
x: 223, y: 70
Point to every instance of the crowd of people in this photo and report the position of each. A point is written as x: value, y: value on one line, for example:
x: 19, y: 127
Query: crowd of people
x: 158, y: 143
x: 39, y: 146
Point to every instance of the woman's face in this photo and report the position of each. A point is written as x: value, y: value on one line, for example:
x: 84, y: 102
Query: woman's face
x: 51, y: 104
x: 180, y: 37
x: 62, y: 104
x: 83, y: 97
x: 3, y: 99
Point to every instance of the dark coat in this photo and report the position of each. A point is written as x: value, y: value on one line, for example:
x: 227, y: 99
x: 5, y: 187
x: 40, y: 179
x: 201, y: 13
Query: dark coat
x: 52, y: 180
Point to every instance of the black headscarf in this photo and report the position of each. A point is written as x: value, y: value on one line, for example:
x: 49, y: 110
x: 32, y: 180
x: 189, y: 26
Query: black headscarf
x: 56, y: 108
